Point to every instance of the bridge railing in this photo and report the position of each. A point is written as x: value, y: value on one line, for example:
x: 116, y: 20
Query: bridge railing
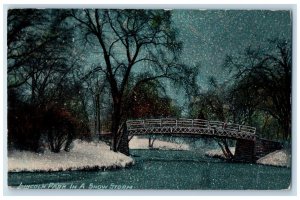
x: 248, y: 129
x: 199, y: 123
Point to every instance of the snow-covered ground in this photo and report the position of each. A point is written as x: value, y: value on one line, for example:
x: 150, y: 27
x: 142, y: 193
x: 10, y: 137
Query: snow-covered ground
x: 218, y: 152
x: 277, y: 158
x: 84, y: 155
x: 143, y: 143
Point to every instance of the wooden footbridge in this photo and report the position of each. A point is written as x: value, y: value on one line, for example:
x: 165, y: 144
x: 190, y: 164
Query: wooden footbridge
x: 247, y: 141
x: 185, y: 127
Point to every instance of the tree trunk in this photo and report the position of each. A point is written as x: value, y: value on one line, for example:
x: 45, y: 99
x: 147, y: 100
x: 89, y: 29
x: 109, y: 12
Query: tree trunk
x: 266, y: 121
x: 98, y: 119
x: 225, y: 149
x: 33, y: 88
x: 151, y: 142
x: 230, y: 155
x: 116, y: 121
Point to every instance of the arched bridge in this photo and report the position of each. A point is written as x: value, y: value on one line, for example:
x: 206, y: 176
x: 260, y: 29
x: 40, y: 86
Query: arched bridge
x: 248, y: 146
x: 187, y: 127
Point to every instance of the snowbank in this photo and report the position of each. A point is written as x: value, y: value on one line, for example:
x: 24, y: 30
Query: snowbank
x: 217, y: 153
x: 84, y: 155
x: 280, y: 158
x: 143, y: 143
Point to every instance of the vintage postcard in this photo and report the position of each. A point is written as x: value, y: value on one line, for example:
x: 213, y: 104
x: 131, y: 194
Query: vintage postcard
x: 127, y: 99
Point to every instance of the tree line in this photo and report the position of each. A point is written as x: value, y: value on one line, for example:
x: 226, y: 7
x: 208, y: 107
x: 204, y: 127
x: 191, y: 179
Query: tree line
x: 49, y: 73
x: 258, y: 92
x: 74, y: 73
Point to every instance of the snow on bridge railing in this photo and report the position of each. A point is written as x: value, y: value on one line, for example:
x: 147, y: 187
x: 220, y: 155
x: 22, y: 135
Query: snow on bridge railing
x: 199, y: 123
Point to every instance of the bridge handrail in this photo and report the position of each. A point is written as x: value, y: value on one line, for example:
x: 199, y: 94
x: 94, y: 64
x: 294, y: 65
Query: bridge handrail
x: 182, y: 122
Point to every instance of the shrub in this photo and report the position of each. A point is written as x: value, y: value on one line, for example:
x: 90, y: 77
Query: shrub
x: 60, y: 128
x: 36, y: 127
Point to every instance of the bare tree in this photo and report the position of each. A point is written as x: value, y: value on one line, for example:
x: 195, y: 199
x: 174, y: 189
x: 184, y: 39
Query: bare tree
x: 136, y: 46
x: 263, y: 81
x: 41, y: 67
x: 38, y: 44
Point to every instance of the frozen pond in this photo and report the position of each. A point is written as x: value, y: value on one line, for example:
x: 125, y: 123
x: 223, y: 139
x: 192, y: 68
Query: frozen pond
x: 158, y: 169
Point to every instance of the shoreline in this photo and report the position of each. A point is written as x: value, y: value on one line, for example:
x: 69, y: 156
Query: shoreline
x: 217, y: 153
x: 143, y: 143
x: 84, y: 156
x: 92, y: 168
x: 278, y: 158
x: 97, y: 156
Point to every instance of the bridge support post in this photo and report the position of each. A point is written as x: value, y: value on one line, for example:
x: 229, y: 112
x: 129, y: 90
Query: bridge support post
x: 123, y: 146
x: 244, y: 151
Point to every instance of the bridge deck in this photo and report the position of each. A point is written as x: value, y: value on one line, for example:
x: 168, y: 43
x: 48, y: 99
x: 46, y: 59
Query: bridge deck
x: 190, y: 127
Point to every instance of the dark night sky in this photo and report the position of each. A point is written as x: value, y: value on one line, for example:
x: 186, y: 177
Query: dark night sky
x: 209, y: 35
